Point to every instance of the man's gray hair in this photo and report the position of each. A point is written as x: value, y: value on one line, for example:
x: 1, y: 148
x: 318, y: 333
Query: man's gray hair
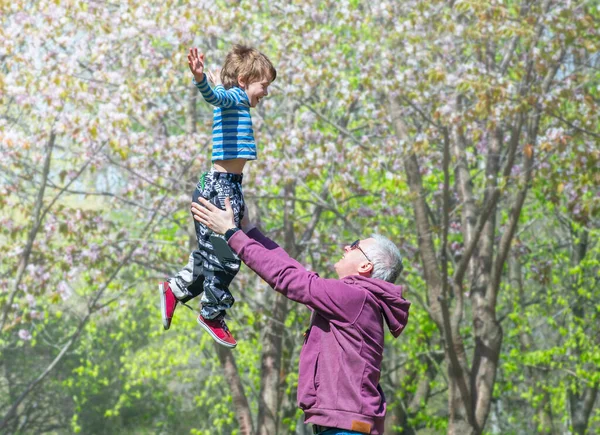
x: 386, y: 259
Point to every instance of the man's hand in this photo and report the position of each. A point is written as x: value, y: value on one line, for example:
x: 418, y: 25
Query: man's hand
x: 196, y: 64
x: 213, y: 217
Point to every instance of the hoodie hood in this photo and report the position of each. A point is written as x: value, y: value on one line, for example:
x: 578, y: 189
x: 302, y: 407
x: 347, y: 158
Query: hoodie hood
x: 389, y: 298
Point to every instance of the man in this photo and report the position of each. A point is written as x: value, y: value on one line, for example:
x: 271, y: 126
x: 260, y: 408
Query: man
x: 340, y: 362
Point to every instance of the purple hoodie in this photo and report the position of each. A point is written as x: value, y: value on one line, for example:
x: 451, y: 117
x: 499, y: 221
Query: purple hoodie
x: 340, y: 362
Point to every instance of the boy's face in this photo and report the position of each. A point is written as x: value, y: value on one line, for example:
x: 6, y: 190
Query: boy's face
x: 257, y: 90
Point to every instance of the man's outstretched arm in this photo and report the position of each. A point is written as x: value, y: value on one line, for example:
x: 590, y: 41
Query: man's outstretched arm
x: 256, y: 235
x: 329, y: 297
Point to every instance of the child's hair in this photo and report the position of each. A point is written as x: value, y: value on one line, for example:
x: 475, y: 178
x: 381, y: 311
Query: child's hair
x: 247, y: 62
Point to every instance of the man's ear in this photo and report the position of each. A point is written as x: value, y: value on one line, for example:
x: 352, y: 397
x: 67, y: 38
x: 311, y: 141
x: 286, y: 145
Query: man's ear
x: 241, y: 81
x: 365, y: 268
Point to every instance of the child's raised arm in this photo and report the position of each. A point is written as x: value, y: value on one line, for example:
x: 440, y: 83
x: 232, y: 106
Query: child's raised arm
x: 196, y: 64
x: 219, y: 96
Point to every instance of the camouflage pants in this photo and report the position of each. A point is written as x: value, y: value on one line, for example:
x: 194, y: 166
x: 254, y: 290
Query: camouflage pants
x: 205, y: 272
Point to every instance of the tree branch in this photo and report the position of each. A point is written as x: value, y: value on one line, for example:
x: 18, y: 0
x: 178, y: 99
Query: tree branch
x: 36, y: 222
x: 148, y: 227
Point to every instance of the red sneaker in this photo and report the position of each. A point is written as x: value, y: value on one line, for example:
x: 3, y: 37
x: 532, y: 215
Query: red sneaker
x: 218, y: 330
x: 168, y: 303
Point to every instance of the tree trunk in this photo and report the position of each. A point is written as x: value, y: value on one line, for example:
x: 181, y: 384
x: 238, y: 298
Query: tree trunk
x: 240, y: 403
x: 581, y: 407
x: 273, y: 338
x: 486, y: 329
x: 581, y: 400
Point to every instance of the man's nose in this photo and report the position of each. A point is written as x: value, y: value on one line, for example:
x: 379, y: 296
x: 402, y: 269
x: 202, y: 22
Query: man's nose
x: 346, y: 248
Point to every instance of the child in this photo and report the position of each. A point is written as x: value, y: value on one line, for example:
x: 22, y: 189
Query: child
x: 245, y: 77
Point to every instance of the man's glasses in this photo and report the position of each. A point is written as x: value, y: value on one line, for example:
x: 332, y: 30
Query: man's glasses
x: 354, y: 245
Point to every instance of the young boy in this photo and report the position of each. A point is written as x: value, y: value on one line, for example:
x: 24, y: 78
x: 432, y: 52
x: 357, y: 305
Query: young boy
x: 245, y: 76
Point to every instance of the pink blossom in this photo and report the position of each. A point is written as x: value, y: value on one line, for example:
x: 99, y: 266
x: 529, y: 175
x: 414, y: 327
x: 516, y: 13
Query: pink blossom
x: 64, y: 290
x: 30, y: 299
x: 36, y: 315
x: 24, y: 334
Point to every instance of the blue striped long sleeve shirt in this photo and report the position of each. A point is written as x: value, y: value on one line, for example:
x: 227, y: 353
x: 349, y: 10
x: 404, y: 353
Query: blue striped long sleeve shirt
x: 232, y: 134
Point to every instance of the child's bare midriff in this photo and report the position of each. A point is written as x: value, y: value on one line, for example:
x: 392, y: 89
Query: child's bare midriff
x: 234, y: 166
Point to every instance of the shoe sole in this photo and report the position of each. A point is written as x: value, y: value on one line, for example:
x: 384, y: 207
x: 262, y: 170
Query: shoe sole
x: 163, y: 306
x: 214, y: 337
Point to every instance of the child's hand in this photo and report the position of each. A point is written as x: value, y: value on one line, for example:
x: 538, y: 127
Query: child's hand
x: 196, y: 64
x: 214, y: 78
x: 245, y: 224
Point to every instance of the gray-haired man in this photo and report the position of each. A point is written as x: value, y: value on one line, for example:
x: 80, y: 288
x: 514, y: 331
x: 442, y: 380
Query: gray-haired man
x: 340, y: 362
